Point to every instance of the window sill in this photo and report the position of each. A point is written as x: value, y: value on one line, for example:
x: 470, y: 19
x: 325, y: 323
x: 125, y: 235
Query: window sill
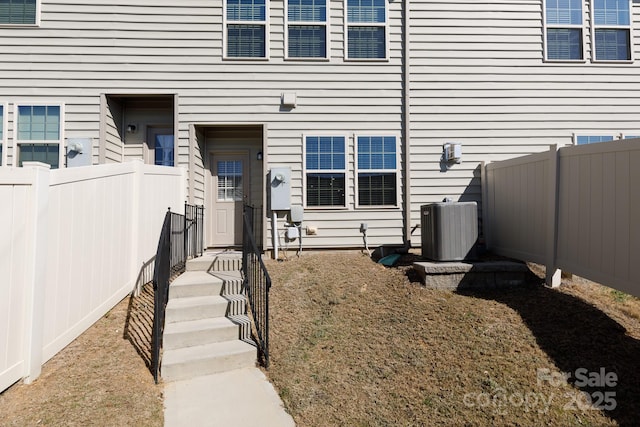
x: 325, y: 208
x: 288, y: 59
x: 19, y: 25
x: 366, y: 59
x: 377, y: 208
x: 245, y: 59
x: 612, y: 61
x: 565, y: 61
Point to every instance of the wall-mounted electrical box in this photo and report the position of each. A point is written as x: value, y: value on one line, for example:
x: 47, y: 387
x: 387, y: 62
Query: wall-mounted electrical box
x: 296, y: 214
x: 79, y: 152
x: 280, y: 185
x: 452, y: 152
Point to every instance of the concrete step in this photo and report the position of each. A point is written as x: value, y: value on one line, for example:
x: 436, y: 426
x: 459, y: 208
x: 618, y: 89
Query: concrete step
x: 202, y: 263
x: 191, y: 362
x: 197, y: 332
x: 195, y: 284
x: 216, y: 261
x: 195, y: 308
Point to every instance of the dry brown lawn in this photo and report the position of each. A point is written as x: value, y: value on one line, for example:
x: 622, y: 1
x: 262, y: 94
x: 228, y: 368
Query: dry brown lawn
x: 99, y: 379
x: 356, y: 344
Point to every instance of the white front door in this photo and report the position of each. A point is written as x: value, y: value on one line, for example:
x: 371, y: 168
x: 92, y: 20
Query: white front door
x: 230, y: 190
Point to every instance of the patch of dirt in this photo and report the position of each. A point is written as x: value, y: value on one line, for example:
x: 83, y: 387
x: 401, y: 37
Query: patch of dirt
x: 98, y: 379
x: 355, y: 343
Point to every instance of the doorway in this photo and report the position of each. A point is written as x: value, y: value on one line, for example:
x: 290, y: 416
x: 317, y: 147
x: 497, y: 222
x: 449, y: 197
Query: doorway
x: 230, y: 190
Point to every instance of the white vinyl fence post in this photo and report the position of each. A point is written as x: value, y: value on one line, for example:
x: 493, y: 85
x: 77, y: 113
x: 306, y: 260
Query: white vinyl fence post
x: 36, y: 271
x: 485, y: 205
x: 552, y: 278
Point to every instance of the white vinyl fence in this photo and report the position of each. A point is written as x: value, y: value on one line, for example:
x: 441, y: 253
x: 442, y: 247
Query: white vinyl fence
x: 73, y: 243
x: 575, y: 209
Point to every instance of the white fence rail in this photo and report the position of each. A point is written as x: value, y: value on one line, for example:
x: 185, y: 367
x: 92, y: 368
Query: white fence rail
x: 74, y: 243
x: 575, y: 209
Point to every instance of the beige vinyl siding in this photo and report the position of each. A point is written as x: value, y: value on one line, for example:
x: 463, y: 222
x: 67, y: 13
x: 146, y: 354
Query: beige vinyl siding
x: 478, y: 78
x: 82, y: 50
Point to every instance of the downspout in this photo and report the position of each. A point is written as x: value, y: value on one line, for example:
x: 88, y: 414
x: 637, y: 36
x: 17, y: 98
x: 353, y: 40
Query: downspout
x: 406, y: 131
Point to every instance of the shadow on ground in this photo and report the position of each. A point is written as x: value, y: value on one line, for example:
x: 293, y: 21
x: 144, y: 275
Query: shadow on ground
x: 139, y: 324
x: 578, y: 335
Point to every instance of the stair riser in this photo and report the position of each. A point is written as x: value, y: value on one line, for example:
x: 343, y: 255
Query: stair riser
x: 237, y: 307
x: 232, y: 287
x: 207, y: 336
x: 227, y: 264
x: 208, y: 366
x: 206, y: 263
x: 201, y: 290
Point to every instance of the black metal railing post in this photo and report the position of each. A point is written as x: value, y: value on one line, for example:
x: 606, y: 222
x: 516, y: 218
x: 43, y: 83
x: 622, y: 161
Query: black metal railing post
x: 256, y: 284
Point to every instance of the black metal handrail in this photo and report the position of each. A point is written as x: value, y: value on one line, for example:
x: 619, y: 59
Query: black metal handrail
x: 256, y: 284
x: 181, y: 238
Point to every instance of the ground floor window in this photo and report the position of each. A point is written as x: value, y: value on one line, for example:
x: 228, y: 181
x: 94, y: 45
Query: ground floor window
x: 377, y: 166
x: 325, y: 169
x: 45, y: 153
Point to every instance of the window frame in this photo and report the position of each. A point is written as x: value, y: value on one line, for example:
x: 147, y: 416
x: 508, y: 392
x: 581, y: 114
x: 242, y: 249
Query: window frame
x: 614, y: 135
x: 225, y: 36
x: 61, y: 131
x: 344, y: 171
x: 546, y: 27
x: 327, y: 33
x: 4, y: 119
x: 630, y: 135
x: 594, y: 27
x: 36, y: 22
x: 397, y: 171
x: 347, y: 24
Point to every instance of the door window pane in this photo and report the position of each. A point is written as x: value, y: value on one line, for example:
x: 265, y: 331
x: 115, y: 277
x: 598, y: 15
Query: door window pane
x: 230, y: 181
x: 164, y: 150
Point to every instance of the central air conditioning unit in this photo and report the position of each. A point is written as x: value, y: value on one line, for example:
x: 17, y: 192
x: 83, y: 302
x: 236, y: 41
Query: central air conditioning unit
x: 449, y: 230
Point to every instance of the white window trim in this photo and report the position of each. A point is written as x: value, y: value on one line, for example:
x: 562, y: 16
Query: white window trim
x: 226, y: 23
x: 396, y: 171
x: 5, y: 131
x: 60, y: 141
x: 345, y: 171
x: 36, y: 24
x: 326, y: 24
x: 366, y: 24
x: 574, y: 138
x: 612, y: 27
x: 546, y: 26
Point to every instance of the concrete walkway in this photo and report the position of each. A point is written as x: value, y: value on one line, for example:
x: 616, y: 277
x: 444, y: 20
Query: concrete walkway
x: 243, y: 397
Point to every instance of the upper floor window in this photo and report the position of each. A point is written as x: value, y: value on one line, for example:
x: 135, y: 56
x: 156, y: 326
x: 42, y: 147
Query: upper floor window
x: 246, y: 28
x: 366, y: 29
x: 612, y: 30
x: 377, y: 170
x: 563, y: 28
x: 38, y: 134
x: 590, y: 139
x: 325, y: 170
x: 18, y: 12
x: 307, y: 28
